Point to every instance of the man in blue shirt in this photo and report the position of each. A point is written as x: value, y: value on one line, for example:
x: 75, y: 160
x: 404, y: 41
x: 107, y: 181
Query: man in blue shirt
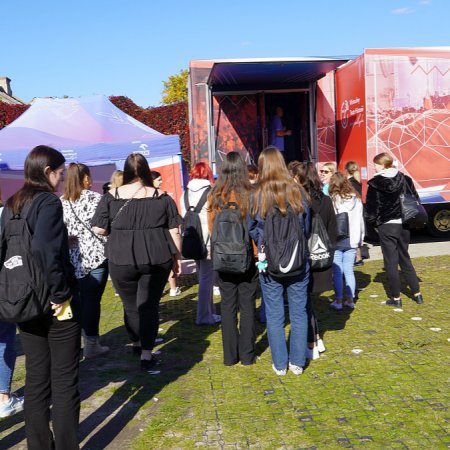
x: 278, y: 130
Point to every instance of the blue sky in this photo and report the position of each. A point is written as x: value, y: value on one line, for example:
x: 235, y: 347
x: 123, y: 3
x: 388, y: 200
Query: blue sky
x: 112, y: 47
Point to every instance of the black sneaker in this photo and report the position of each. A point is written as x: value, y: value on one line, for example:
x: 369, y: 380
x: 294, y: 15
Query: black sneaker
x: 148, y: 364
x: 418, y: 299
x: 392, y: 302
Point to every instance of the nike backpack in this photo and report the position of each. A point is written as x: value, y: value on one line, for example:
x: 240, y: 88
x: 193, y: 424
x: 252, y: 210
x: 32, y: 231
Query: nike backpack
x: 284, y: 243
x: 192, y: 243
x: 230, y: 241
x: 24, y: 294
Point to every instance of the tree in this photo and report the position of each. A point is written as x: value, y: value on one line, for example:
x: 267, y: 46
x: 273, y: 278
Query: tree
x: 175, y: 88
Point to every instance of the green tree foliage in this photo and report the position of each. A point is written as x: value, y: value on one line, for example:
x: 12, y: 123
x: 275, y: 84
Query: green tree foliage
x: 175, y: 88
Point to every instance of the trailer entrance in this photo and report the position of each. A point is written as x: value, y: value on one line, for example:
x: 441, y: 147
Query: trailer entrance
x: 242, y: 95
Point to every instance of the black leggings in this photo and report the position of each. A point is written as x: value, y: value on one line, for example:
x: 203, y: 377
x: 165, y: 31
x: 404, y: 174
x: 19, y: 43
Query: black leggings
x: 140, y: 288
x: 394, y: 241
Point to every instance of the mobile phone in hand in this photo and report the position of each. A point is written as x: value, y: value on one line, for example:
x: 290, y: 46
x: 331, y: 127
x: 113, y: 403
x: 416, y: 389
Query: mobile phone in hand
x: 66, y: 311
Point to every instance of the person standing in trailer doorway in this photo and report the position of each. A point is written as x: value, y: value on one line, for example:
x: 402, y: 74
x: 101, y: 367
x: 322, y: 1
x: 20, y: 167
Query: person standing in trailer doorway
x: 278, y: 130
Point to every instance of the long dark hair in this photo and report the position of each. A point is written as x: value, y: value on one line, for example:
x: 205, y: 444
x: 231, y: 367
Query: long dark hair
x: 73, y: 183
x: 136, y: 167
x: 233, y: 178
x: 311, y: 180
x: 36, y: 180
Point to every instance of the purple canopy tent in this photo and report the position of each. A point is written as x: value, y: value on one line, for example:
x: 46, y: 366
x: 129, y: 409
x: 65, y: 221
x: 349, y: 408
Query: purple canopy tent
x: 90, y: 130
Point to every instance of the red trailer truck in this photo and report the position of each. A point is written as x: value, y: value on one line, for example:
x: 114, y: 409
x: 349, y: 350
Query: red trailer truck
x: 339, y: 109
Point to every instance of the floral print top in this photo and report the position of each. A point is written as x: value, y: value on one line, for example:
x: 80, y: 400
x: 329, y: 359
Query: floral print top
x: 87, y: 250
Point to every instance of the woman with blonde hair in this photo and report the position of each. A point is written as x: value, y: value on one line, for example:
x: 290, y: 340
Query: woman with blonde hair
x: 277, y: 189
x: 325, y: 173
x: 116, y: 179
x: 346, y: 201
x: 383, y: 211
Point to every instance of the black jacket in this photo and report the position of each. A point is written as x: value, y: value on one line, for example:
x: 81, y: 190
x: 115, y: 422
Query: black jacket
x: 383, y: 198
x: 50, y: 245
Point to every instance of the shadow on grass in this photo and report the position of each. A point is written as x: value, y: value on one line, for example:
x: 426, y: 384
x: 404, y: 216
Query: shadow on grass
x: 381, y: 277
x: 127, y: 389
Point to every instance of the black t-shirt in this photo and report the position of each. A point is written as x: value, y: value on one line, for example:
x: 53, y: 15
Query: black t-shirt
x: 140, y: 233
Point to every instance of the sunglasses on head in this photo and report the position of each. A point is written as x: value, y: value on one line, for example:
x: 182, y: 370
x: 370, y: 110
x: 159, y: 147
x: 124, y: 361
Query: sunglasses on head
x: 324, y: 171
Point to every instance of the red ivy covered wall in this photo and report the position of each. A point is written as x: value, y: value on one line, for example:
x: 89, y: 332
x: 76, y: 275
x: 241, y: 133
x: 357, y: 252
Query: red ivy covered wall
x: 171, y: 119
x: 9, y: 113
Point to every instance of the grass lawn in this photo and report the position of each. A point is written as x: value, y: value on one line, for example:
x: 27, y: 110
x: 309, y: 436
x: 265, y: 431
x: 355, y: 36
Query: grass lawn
x: 381, y: 384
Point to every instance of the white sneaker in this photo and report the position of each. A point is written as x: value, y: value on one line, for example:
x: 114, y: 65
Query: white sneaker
x: 296, y: 370
x: 175, y: 292
x: 335, y: 305
x: 12, y: 406
x: 349, y: 304
x: 320, y: 345
x: 312, y: 353
x: 216, y: 290
x: 280, y: 373
x: 217, y: 318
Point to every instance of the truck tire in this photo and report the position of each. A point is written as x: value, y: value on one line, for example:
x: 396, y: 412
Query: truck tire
x: 439, y: 221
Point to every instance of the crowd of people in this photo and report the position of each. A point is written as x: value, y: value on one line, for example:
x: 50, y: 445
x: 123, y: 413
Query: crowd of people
x: 132, y: 234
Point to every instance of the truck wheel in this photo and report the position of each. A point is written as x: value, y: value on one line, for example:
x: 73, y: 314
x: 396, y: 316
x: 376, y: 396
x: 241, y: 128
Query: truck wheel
x: 439, y: 221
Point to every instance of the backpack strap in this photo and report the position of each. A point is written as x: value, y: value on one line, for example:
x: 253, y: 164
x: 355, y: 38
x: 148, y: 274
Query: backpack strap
x: 200, y: 203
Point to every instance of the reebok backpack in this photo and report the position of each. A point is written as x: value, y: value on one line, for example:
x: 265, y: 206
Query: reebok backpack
x: 285, y: 243
x: 231, y: 247
x: 24, y: 294
x: 192, y: 243
x: 320, y: 247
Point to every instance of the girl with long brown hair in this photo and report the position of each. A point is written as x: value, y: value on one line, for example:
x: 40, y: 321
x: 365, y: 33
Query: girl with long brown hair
x: 238, y: 291
x: 276, y: 188
x: 87, y: 252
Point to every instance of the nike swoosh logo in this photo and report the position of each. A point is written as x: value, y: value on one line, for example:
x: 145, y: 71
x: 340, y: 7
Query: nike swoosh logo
x: 291, y: 262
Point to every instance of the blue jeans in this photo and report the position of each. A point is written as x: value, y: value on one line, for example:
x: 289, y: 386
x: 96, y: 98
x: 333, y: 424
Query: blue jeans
x: 343, y: 262
x: 91, y: 291
x: 297, y: 292
x: 7, y: 355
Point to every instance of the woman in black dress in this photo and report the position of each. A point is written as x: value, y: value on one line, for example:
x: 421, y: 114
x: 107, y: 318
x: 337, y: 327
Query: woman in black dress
x: 143, y: 247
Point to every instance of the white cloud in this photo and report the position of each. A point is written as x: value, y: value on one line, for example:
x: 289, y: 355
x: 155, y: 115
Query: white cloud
x: 425, y: 2
x: 401, y: 11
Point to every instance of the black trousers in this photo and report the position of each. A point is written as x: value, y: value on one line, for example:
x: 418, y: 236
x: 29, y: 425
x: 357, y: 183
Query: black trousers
x: 140, y: 288
x: 52, y: 351
x: 238, y: 293
x: 394, y: 241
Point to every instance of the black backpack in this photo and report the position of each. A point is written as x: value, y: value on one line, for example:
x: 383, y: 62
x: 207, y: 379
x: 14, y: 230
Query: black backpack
x: 231, y: 246
x: 24, y: 294
x: 320, y: 248
x: 284, y: 243
x: 192, y: 243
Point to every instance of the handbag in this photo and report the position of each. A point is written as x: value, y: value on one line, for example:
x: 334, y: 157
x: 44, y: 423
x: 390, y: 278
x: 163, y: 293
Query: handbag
x: 342, y: 226
x: 365, y: 254
x: 413, y: 212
